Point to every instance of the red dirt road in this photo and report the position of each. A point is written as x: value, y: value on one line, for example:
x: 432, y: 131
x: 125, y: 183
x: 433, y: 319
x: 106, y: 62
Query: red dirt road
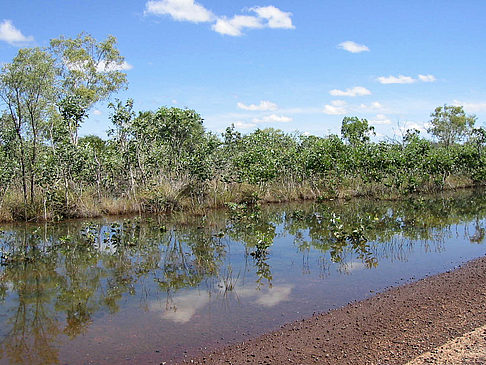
x: 393, y: 327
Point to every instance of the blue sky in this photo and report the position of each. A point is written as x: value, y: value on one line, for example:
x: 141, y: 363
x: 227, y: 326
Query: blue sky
x: 292, y: 65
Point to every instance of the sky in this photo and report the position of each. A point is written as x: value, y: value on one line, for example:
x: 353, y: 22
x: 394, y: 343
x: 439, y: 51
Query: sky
x: 293, y: 65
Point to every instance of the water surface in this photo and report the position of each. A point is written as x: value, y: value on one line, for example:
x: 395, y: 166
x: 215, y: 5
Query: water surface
x: 155, y: 289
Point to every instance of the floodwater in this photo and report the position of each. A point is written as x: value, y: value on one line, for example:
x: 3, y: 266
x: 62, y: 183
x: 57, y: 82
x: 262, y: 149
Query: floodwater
x: 156, y: 289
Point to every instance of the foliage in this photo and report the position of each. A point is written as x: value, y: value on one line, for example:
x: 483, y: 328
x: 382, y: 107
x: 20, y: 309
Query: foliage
x: 450, y: 124
x: 355, y: 130
x: 164, y: 160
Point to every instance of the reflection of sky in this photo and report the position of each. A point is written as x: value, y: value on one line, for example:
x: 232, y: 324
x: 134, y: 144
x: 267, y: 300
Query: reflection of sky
x: 184, y: 306
x: 352, y: 266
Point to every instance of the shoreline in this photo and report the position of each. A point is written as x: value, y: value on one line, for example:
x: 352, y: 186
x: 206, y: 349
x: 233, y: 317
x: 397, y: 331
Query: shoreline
x: 392, y: 327
x: 132, y: 211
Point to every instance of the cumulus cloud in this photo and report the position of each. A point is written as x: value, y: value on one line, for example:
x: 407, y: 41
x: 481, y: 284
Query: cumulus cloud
x: 380, y: 119
x: 234, y: 26
x: 11, y: 35
x: 471, y: 107
x: 405, y: 126
x: 103, y: 67
x: 181, y: 10
x: 244, y: 125
x: 274, y: 118
x: 97, y: 112
x: 189, y: 10
x: 355, y: 91
x: 337, y: 107
x: 266, y: 17
x: 374, y: 106
x: 264, y: 105
x: 275, y: 17
x: 353, y: 47
x: 426, y: 78
x: 401, y: 79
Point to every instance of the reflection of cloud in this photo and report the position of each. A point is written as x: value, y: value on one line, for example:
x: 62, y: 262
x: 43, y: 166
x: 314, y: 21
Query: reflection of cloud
x: 185, y: 306
x: 353, y: 266
x: 274, y: 296
x: 10, y: 286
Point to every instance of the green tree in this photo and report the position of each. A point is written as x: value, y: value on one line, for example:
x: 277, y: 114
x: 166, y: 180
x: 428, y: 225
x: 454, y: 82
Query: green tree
x: 450, y: 124
x: 27, y: 87
x: 89, y: 71
x: 356, y: 131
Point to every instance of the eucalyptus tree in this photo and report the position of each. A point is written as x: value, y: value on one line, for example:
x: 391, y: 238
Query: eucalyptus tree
x: 90, y: 71
x: 27, y: 87
x: 450, y: 124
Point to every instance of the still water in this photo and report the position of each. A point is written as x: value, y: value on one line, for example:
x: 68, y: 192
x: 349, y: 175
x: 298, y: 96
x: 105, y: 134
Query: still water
x: 157, y: 289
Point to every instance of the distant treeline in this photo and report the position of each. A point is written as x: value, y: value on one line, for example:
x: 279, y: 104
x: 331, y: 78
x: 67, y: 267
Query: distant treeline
x: 158, y: 161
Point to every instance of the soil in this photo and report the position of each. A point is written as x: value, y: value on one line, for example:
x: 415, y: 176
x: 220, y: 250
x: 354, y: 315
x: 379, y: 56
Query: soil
x: 436, y: 320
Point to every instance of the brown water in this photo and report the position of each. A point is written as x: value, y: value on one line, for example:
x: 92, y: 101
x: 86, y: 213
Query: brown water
x: 152, y: 290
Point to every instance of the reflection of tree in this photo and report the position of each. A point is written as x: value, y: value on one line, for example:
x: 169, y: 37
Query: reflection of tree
x: 479, y: 233
x: 369, y: 230
x: 257, y: 230
x: 58, y: 277
x: 33, y: 326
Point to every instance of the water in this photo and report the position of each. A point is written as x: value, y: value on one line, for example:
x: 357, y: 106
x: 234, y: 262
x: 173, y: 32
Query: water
x: 149, y: 290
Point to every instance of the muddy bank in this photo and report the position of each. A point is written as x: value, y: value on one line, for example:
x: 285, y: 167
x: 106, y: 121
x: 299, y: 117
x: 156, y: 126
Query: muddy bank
x: 390, y: 328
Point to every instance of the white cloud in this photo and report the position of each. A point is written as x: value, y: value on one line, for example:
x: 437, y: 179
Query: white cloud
x: 353, y: 47
x: 352, y: 266
x: 275, y: 296
x: 401, y: 79
x: 185, y: 306
x: 355, y: 91
x: 244, y: 125
x: 182, y: 10
x: 11, y: 35
x: 189, y: 10
x: 405, y: 126
x: 337, y: 107
x: 427, y: 78
x: 380, y: 119
x: 276, y: 18
x: 103, y: 67
x: 235, y: 25
x: 396, y: 80
x: 97, y: 112
x: 374, y: 106
x: 264, y: 105
x: 471, y: 107
x: 274, y: 118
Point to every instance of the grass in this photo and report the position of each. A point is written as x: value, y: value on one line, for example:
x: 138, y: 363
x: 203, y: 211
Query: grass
x: 171, y: 194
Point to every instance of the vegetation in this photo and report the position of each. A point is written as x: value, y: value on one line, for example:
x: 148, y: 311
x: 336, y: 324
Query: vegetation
x: 164, y: 160
x: 57, y: 279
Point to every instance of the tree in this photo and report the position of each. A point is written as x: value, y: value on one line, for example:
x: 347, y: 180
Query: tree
x: 90, y: 71
x: 356, y: 131
x: 27, y: 87
x: 450, y: 124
